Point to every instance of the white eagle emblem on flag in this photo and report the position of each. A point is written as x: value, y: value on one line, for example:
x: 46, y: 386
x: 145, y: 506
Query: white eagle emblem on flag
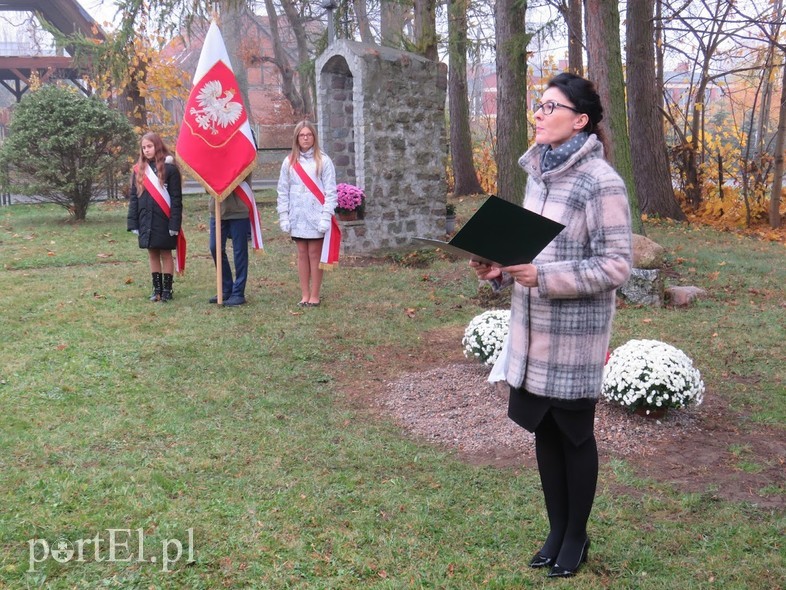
x: 217, y: 107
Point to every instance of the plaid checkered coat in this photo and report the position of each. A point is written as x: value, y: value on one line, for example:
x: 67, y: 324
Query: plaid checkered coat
x: 560, y: 330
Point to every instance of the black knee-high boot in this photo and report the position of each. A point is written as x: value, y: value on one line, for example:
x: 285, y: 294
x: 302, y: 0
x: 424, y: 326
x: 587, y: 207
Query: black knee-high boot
x: 553, y: 479
x: 157, y: 287
x: 166, y: 293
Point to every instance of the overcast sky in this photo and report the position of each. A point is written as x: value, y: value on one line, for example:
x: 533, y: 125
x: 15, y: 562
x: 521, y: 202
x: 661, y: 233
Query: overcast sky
x: 100, y: 10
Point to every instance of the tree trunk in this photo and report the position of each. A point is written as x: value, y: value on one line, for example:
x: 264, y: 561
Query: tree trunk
x: 659, y: 54
x: 392, y: 23
x: 361, y: 14
x: 281, y: 61
x: 134, y: 105
x: 299, y: 30
x: 426, y: 29
x: 777, y: 179
x: 648, y: 152
x: 231, y: 26
x: 574, y: 18
x: 692, y: 174
x: 464, y: 176
x: 604, y: 58
x: 512, y: 40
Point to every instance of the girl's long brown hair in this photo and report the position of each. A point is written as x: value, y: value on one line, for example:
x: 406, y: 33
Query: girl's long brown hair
x: 161, y: 153
x: 295, y: 153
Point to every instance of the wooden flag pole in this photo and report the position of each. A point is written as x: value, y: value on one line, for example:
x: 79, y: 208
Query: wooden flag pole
x: 219, y: 255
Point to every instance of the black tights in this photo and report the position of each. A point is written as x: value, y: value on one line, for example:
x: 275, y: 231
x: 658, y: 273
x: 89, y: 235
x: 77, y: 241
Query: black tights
x: 569, y: 476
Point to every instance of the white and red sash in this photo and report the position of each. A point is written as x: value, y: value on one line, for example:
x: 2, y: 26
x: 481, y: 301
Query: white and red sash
x: 332, y: 243
x: 245, y: 194
x: 161, y: 197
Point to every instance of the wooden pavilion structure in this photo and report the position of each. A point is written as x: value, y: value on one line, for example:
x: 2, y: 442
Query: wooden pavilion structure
x: 67, y: 16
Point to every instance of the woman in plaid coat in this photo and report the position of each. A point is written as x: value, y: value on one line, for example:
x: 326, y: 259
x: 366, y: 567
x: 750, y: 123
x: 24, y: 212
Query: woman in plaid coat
x: 562, y: 309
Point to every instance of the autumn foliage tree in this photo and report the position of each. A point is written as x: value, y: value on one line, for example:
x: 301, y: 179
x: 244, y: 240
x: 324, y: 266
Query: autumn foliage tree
x: 128, y: 69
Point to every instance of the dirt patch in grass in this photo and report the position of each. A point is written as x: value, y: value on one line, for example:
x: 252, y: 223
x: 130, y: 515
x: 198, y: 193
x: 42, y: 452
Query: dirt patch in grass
x: 434, y: 394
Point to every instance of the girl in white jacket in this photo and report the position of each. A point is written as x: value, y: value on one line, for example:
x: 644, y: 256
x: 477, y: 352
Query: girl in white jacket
x: 306, y: 202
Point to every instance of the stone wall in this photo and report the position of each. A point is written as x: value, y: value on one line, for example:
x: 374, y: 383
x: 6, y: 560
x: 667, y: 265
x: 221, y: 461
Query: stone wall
x: 382, y: 121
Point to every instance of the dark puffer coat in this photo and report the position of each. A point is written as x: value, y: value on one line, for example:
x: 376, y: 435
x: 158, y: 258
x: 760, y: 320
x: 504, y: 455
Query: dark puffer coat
x: 145, y: 215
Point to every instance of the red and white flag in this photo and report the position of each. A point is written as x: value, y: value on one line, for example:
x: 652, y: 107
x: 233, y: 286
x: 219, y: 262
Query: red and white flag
x: 215, y: 144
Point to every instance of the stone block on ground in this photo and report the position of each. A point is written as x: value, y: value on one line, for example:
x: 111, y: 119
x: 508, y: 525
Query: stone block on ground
x: 683, y: 296
x: 644, y: 287
x: 646, y: 253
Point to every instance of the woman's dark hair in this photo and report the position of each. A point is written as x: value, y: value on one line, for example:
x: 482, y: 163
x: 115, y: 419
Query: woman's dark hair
x: 582, y: 93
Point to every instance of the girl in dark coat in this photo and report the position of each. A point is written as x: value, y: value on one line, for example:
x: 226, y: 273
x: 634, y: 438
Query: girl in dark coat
x: 155, y: 178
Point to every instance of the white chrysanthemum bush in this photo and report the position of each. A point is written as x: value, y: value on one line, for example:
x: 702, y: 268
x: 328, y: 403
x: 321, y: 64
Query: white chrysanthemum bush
x: 485, y: 334
x: 651, y: 374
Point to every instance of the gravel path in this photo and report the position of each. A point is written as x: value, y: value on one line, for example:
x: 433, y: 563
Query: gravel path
x: 455, y: 407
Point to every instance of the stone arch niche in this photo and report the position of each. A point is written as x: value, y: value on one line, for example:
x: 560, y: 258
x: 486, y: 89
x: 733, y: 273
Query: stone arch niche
x: 382, y: 121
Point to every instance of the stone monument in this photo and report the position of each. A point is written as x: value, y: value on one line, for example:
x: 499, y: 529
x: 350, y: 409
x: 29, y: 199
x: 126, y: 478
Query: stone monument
x: 382, y: 121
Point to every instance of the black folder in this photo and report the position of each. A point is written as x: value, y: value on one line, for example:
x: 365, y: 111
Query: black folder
x: 501, y: 233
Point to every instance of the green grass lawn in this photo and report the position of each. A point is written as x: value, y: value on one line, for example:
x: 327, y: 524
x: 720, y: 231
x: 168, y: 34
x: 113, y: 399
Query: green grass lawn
x: 222, y: 430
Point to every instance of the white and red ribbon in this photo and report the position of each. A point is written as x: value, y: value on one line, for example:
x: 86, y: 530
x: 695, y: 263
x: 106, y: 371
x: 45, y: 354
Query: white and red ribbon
x: 161, y: 196
x: 332, y: 240
x: 245, y: 194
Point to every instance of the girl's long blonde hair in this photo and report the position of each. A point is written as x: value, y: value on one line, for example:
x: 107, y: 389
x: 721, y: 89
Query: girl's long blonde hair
x: 160, y: 158
x: 295, y: 153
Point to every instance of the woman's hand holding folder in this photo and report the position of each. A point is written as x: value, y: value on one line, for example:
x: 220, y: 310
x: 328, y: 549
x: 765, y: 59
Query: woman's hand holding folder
x: 525, y: 275
x: 485, y: 272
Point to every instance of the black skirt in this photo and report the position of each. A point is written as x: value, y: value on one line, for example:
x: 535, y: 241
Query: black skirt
x: 575, y: 418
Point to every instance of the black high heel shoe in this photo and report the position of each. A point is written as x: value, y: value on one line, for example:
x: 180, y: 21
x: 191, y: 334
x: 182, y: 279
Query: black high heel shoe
x: 539, y: 560
x: 565, y: 572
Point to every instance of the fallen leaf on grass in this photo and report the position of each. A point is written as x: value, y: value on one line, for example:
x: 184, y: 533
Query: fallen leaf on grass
x: 410, y: 311
x: 104, y: 255
x: 128, y: 280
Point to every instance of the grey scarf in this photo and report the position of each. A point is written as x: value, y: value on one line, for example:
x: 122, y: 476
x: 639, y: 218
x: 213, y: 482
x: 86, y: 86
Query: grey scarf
x: 553, y: 158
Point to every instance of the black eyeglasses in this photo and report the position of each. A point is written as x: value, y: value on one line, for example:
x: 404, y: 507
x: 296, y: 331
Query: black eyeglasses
x: 549, y: 106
